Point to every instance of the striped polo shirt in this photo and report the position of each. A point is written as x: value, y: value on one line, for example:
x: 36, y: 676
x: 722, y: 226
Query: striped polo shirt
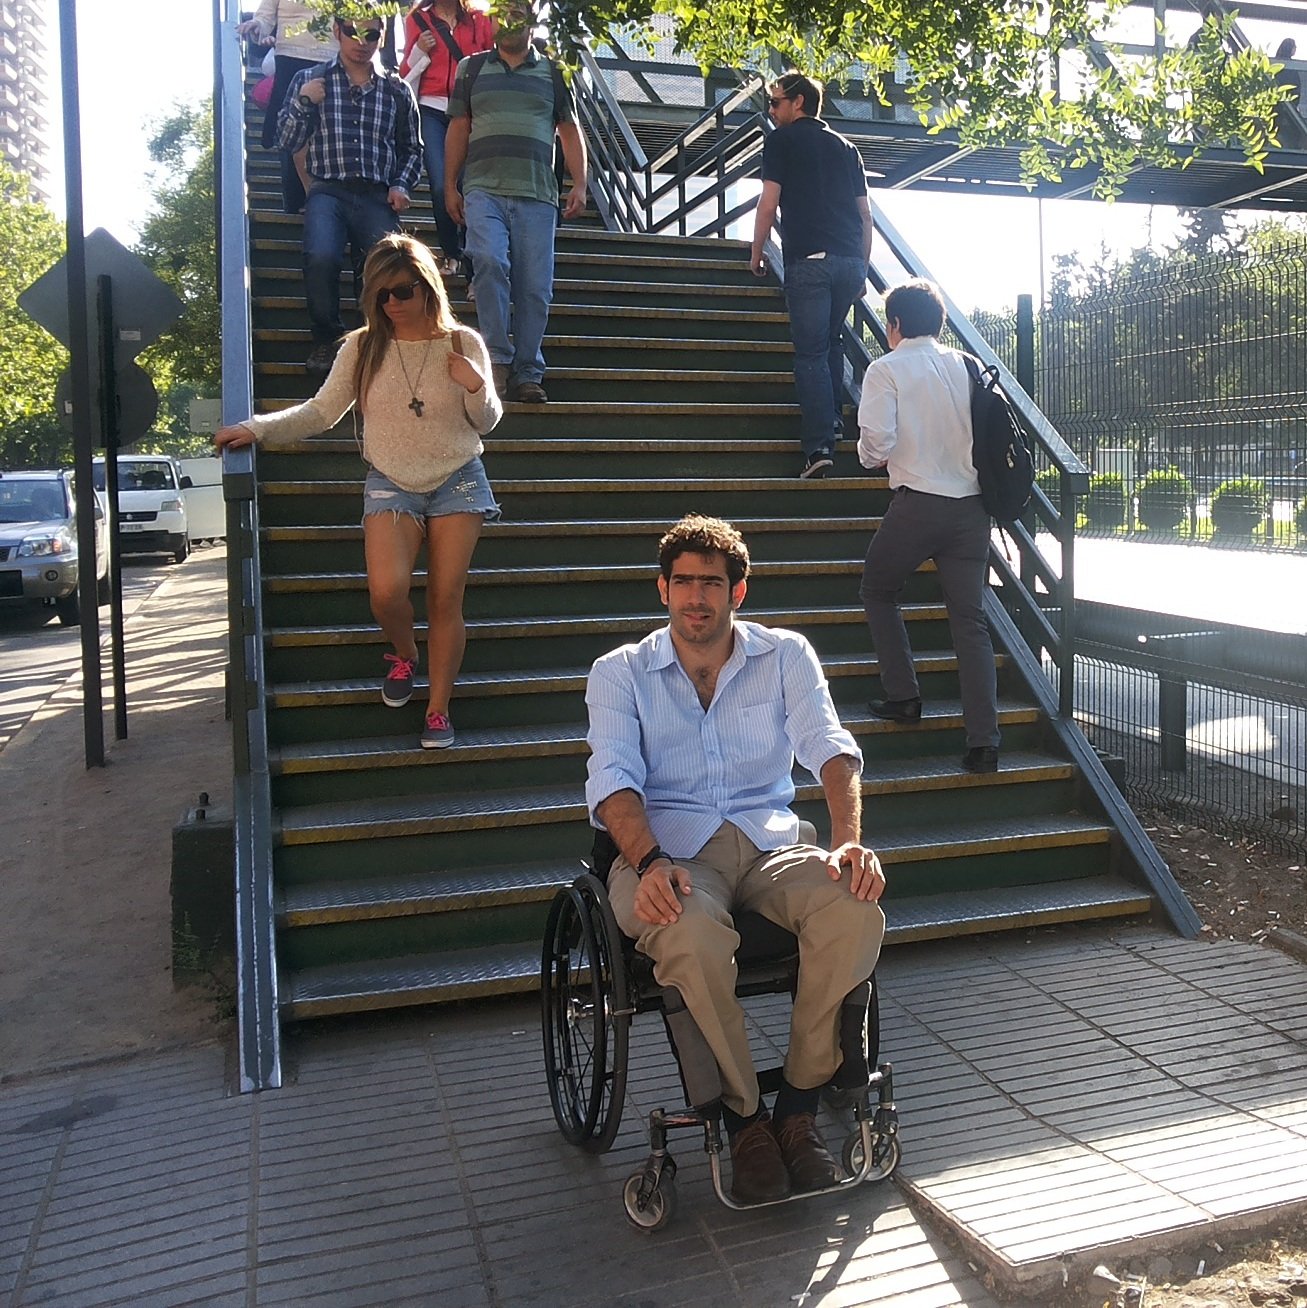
x: 511, y: 147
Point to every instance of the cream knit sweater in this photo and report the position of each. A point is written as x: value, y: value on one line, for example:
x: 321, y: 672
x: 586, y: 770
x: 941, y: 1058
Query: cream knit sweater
x: 417, y: 453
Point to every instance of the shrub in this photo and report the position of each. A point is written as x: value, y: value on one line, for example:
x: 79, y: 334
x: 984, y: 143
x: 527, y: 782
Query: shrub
x: 1238, y: 506
x: 1051, y: 484
x: 1104, y: 506
x: 1164, y: 497
x: 1300, y: 517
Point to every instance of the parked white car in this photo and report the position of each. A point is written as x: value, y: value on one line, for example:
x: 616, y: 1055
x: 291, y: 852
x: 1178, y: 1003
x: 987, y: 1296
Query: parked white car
x: 38, y: 542
x: 151, y: 507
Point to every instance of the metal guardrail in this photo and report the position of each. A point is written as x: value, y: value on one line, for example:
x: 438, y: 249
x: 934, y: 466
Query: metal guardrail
x: 259, y: 1033
x: 1203, y: 716
x: 1038, y: 595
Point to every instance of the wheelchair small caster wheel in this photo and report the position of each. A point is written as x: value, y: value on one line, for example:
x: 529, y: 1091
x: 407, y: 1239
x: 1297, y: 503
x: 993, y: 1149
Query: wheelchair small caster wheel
x: 658, y: 1211
x: 885, y: 1155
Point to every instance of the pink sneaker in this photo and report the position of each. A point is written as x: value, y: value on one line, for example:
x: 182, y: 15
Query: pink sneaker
x: 437, y: 734
x: 397, y: 689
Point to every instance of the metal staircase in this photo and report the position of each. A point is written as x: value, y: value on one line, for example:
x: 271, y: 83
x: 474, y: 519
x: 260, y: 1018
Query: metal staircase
x: 381, y: 875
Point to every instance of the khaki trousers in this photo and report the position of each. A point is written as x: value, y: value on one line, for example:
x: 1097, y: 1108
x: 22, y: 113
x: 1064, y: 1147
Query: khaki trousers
x: 839, y: 942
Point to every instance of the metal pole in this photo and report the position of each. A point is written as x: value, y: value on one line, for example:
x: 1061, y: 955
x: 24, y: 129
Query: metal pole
x: 79, y: 349
x: 109, y: 426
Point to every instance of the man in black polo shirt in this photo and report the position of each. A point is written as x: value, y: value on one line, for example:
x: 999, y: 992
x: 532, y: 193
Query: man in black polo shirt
x: 816, y: 178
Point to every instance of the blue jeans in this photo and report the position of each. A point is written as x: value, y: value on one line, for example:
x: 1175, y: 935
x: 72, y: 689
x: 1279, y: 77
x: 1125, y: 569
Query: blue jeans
x: 510, y: 241
x: 819, y: 293
x: 338, y: 215
x: 435, y: 124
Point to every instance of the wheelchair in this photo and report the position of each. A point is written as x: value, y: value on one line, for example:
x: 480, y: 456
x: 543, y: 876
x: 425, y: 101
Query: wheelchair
x: 593, y: 981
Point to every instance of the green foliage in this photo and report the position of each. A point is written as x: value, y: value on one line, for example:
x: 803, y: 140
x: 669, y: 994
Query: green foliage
x: 1164, y: 498
x: 352, y: 11
x: 1300, y: 518
x: 179, y: 242
x: 1104, y: 506
x: 1050, y: 482
x: 30, y: 358
x: 1239, y: 506
x: 987, y: 69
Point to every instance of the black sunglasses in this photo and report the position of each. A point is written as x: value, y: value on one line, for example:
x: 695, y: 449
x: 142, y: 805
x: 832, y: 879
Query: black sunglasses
x: 399, y: 292
x: 774, y: 100
x: 369, y: 34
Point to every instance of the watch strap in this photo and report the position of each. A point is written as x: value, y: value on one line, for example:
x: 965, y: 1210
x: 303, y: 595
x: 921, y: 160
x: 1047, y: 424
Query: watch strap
x: 650, y: 859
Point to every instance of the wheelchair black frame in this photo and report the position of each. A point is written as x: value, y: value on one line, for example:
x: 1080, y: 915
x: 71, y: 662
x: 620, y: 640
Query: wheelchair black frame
x: 590, y: 990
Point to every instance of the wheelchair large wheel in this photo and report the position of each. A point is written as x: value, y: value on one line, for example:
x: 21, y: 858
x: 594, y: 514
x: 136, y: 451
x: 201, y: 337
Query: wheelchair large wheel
x: 585, y: 1015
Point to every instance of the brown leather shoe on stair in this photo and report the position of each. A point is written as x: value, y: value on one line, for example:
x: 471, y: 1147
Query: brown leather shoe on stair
x: 758, y: 1172
x: 809, y: 1162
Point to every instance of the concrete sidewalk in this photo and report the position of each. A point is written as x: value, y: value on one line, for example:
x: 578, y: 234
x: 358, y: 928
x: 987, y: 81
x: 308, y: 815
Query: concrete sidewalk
x: 85, y: 916
x: 1064, y: 1095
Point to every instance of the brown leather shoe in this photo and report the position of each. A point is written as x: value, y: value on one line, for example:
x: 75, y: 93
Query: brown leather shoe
x: 758, y: 1172
x: 806, y: 1157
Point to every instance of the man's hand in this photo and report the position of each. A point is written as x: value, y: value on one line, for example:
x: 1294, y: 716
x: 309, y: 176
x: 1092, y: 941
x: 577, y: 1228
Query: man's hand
x: 398, y: 199
x: 454, y: 204
x: 866, y: 880
x: 759, y: 266
x: 574, y: 205
x: 316, y: 90
x: 656, y: 899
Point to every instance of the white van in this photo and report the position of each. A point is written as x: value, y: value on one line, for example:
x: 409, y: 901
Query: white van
x: 151, y: 507
x: 206, y: 510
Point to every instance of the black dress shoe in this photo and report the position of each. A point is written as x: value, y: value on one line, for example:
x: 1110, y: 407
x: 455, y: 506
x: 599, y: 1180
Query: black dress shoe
x: 981, y: 758
x: 758, y: 1174
x: 897, y: 710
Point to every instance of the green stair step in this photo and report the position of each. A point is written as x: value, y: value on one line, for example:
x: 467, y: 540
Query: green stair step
x: 314, y: 824
x: 426, y: 979
x: 637, y: 624
x: 1010, y: 908
x: 313, y: 694
x: 514, y: 968
x: 446, y: 891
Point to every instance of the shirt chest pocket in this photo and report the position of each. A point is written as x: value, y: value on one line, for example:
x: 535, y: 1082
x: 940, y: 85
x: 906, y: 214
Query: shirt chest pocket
x: 749, y: 737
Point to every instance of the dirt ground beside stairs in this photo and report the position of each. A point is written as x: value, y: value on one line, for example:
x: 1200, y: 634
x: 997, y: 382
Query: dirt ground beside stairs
x: 85, y: 855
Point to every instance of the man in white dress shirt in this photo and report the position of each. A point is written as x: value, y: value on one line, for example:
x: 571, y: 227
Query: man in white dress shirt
x: 915, y: 421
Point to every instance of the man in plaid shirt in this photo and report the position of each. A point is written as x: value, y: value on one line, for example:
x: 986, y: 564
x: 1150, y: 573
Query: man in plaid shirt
x: 360, y: 124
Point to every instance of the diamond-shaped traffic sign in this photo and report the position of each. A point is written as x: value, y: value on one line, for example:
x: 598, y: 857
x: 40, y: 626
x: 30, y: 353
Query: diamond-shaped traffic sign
x: 144, y: 307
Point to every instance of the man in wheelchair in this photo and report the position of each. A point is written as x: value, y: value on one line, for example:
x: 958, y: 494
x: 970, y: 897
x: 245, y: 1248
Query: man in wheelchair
x: 693, y: 736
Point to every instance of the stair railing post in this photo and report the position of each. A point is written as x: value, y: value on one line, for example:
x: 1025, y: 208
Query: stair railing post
x: 1173, y: 720
x: 1066, y: 676
x: 1025, y: 373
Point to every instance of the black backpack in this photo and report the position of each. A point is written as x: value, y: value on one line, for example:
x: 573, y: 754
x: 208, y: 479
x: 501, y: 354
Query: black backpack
x: 999, y: 447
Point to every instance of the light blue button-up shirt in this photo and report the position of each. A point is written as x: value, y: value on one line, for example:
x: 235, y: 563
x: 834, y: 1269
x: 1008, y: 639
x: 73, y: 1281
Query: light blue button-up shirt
x: 697, y: 768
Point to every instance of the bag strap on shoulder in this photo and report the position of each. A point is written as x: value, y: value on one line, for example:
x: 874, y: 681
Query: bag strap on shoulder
x: 440, y: 29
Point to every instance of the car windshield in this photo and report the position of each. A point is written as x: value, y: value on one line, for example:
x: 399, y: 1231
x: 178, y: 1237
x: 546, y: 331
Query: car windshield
x: 31, y: 500
x: 142, y: 474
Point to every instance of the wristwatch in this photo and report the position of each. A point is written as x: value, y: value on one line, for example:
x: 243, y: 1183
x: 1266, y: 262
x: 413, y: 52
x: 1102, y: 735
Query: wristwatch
x: 304, y: 101
x: 650, y: 859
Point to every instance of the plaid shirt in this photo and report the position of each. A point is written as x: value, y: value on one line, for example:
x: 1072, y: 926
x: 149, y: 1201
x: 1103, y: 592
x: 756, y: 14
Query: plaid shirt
x: 358, y: 133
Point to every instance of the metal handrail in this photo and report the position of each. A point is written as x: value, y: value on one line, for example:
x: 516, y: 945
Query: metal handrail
x: 259, y: 1034
x: 1039, y: 596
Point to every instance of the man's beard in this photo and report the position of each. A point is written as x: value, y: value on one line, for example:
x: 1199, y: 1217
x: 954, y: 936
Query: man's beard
x: 513, y: 42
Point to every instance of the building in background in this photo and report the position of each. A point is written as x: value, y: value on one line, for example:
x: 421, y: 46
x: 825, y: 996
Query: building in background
x: 23, y: 142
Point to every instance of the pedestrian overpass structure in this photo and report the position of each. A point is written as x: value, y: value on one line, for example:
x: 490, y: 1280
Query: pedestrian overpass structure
x: 372, y: 874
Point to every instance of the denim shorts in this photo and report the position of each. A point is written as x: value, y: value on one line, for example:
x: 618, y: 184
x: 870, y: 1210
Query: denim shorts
x: 464, y: 491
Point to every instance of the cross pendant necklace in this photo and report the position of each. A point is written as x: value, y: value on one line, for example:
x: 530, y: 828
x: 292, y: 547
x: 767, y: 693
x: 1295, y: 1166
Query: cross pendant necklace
x: 416, y: 403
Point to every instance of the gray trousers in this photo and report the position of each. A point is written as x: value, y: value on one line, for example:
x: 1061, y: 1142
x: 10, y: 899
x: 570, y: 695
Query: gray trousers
x: 839, y: 942
x: 955, y: 533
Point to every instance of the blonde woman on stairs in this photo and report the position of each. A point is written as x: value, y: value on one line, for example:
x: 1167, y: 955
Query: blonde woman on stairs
x: 421, y: 383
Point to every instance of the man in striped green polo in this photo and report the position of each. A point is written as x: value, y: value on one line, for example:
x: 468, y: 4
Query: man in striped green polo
x: 504, y: 112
